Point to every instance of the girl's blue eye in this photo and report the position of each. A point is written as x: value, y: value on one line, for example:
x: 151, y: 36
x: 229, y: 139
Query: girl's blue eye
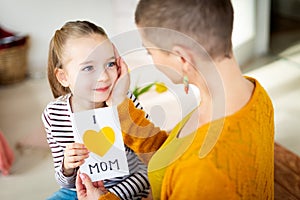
x: 110, y: 64
x: 88, y: 68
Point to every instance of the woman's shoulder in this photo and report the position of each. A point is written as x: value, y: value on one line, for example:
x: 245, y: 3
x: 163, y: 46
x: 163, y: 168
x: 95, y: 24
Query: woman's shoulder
x: 259, y: 91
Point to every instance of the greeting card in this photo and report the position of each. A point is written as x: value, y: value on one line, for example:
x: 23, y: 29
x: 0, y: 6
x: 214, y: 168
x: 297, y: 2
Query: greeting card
x: 100, y: 131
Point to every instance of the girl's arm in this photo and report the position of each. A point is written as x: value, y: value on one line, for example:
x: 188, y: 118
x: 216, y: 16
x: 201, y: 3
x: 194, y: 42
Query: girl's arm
x: 57, y: 150
x: 133, y: 186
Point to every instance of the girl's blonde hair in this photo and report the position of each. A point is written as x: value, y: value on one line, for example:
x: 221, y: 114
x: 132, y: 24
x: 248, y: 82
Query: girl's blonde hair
x: 72, y: 29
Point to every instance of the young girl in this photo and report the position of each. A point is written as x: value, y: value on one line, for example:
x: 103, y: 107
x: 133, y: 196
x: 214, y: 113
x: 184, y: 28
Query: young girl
x: 79, y: 81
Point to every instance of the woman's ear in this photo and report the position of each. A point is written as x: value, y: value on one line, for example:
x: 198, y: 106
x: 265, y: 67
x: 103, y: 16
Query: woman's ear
x: 184, y: 55
x: 62, y: 77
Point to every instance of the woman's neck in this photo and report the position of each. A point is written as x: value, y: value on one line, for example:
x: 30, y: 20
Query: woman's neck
x: 238, y: 90
x: 225, y: 93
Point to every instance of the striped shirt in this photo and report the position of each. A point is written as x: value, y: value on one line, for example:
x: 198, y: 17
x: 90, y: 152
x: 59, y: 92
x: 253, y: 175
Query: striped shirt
x: 57, y: 121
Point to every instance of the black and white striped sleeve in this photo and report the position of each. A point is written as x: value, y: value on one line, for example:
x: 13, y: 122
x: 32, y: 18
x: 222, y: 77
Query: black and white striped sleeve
x: 136, y: 102
x: 59, y: 129
x: 136, y: 185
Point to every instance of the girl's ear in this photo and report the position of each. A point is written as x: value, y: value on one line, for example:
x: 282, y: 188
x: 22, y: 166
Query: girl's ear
x: 184, y: 55
x: 62, y: 77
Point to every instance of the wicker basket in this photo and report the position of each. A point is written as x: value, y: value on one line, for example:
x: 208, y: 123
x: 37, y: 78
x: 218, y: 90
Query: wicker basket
x: 13, y: 64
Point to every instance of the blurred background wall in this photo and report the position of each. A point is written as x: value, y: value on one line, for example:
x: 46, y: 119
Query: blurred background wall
x: 40, y: 18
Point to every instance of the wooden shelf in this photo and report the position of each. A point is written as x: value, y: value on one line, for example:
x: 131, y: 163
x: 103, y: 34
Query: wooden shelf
x: 286, y: 173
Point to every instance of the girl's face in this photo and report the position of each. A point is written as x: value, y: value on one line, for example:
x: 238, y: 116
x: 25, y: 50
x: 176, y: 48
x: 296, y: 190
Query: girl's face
x: 89, y: 68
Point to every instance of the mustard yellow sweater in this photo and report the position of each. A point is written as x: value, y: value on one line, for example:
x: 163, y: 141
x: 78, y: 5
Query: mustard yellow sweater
x: 144, y: 138
x: 239, y: 166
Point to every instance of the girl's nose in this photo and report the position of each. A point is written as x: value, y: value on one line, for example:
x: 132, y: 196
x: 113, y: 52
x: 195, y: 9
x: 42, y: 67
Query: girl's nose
x: 103, y: 76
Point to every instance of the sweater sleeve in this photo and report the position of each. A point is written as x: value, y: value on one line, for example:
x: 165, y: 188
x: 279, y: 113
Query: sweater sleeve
x: 139, y: 133
x: 109, y: 196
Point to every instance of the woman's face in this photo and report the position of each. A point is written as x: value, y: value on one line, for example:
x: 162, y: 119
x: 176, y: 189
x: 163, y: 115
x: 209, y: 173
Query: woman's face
x: 90, y: 67
x: 167, y: 62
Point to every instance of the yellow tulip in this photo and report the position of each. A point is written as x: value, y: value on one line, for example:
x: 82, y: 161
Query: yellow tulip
x: 160, y: 87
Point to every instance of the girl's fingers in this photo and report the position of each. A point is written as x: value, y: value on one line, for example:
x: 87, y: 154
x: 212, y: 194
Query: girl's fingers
x: 123, y: 66
x: 76, y: 152
x: 74, y: 155
x: 75, y: 146
x: 116, y: 53
x: 75, y: 159
x: 75, y: 149
x: 74, y: 165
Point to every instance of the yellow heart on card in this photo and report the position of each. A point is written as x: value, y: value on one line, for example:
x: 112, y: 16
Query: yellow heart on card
x: 99, y: 142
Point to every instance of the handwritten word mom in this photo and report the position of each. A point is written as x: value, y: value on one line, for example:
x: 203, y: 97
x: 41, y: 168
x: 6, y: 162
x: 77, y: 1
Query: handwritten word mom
x: 104, y: 166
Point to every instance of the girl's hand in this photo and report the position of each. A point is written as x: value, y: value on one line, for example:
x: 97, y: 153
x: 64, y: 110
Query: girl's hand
x: 74, y: 156
x: 121, y: 86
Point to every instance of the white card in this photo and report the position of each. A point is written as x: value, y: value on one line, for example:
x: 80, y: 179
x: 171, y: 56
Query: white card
x: 100, y: 131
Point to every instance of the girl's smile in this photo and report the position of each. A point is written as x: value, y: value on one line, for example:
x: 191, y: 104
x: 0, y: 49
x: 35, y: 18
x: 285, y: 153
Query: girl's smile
x: 102, y: 89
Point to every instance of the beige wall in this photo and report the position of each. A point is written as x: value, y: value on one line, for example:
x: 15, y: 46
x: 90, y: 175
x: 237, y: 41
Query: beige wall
x: 39, y: 19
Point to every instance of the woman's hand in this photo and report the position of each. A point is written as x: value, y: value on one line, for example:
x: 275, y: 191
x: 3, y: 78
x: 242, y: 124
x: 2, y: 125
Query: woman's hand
x: 121, y: 86
x: 86, y: 190
x: 74, y: 156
